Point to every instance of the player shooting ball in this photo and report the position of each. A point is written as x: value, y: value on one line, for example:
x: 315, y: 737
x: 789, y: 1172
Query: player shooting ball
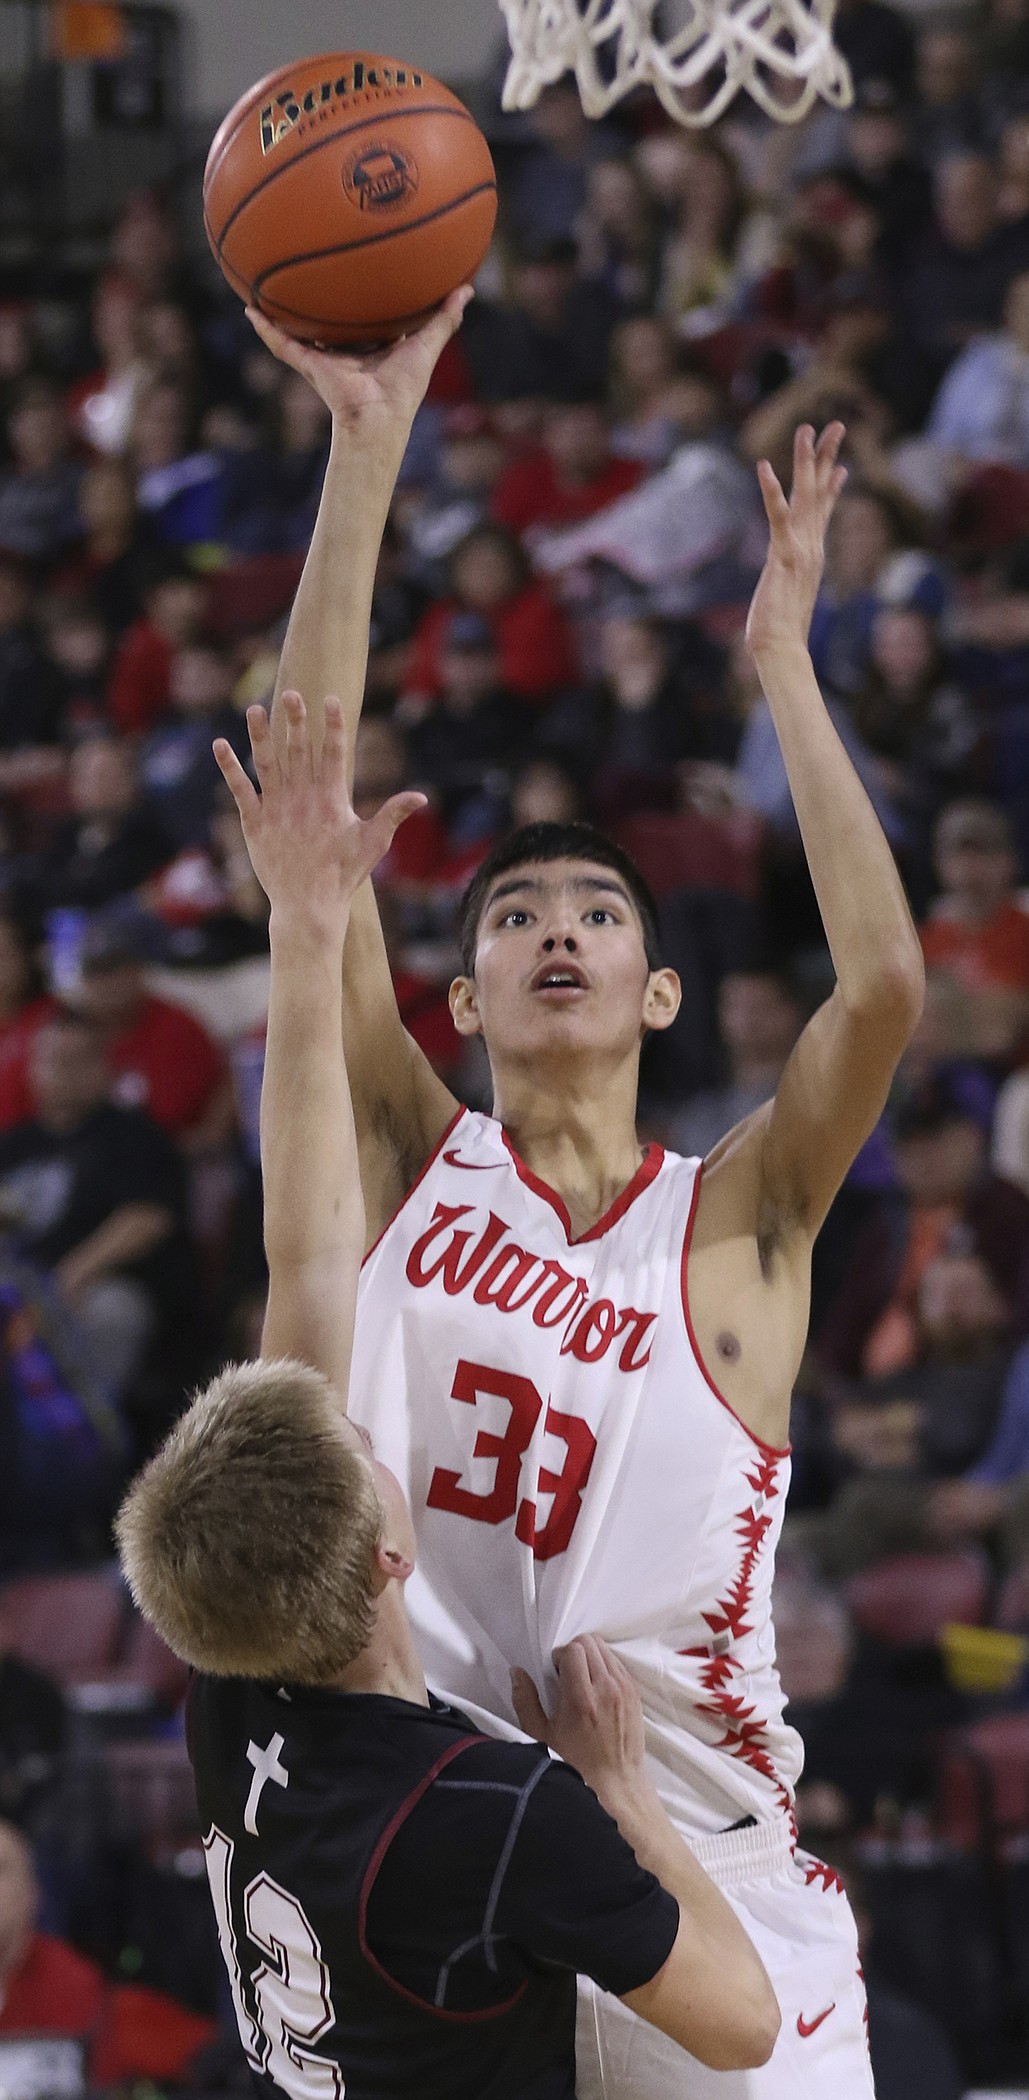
x: 402, y: 1903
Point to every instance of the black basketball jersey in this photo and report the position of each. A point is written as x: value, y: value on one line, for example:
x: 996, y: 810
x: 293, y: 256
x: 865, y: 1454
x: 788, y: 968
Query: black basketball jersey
x: 402, y: 1903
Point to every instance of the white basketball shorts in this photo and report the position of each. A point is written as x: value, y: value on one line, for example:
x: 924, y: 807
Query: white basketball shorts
x: 801, y: 1923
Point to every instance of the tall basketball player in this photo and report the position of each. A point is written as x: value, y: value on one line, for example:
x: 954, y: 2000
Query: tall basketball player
x: 576, y: 1353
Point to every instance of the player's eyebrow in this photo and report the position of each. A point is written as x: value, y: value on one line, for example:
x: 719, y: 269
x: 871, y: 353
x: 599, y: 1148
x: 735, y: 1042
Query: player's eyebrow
x: 519, y: 884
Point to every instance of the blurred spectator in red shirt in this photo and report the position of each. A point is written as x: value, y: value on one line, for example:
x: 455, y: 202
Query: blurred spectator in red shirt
x: 162, y: 1058
x: 977, y: 933
x: 489, y: 574
x: 46, y: 1988
x: 381, y: 769
x: 570, y: 477
x: 174, y: 609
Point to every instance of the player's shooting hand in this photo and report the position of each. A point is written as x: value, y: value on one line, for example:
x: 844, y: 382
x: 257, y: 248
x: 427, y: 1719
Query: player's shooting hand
x: 782, y: 605
x: 597, y: 1721
x: 309, y: 849
x: 379, y: 390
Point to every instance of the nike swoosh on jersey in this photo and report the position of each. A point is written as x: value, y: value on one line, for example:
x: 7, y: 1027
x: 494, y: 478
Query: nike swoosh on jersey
x: 807, y: 2027
x: 472, y: 1166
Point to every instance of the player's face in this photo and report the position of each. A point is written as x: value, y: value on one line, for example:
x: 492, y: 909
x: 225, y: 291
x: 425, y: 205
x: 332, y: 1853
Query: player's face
x: 561, y: 968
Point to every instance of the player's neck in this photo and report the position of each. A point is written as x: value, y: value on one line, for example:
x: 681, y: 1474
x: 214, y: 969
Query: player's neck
x: 577, y: 1136
x: 388, y: 1664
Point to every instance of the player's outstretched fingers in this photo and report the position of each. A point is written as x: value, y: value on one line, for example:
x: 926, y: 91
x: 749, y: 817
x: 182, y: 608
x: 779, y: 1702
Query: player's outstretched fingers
x: 238, y: 782
x: 777, y: 510
x: 266, y: 764
x: 528, y: 1707
x: 298, y: 739
x: 335, y: 741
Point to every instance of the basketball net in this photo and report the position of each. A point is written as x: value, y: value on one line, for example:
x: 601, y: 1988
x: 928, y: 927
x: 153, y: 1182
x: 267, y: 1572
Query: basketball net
x: 780, y: 51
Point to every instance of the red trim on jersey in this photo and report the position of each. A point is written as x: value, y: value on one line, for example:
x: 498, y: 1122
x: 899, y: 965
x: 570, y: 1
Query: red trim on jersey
x: 419, y: 1178
x: 647, y: 1171
x: 439, y: 2012
x: 772, y: 1450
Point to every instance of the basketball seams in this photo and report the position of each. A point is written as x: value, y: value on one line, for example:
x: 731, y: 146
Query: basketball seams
x: 369, y: 240
x: 329, y: 138
x: 261, y: 89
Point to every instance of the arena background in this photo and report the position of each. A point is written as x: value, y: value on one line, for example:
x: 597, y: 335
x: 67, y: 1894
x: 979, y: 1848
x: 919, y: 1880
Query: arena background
x: 557, y: 630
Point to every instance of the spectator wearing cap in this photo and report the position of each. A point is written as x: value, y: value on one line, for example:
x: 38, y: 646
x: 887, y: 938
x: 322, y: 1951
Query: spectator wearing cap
x: 981, y: 412
x: 878, y: 148
x: 572, y: 476
x: 951, y: 1203
x: 490, y: 576
x: 39, y: 510
x: 129, y: 2033
x: 465, y: 743
x: 877, y: 43
x: 553, y: 339
x: 977, y: 931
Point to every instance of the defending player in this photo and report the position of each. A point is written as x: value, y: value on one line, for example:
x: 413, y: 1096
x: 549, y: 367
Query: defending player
x: 578, y: 1355
x: 271, y: 1550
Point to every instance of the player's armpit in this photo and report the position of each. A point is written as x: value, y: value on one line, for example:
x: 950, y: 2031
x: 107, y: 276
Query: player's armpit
x: 723, y: 2011
x: 401, y: 1106
x: 828, y: 1101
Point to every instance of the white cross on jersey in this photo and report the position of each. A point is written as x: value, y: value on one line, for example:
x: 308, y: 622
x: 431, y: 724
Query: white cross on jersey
x: 266, y: 1766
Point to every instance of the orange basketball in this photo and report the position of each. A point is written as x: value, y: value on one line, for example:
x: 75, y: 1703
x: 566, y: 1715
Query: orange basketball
x: 346, y: 196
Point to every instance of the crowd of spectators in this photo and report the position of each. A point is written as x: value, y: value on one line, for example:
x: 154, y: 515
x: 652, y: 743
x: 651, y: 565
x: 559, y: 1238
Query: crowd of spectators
x: 557, y: 632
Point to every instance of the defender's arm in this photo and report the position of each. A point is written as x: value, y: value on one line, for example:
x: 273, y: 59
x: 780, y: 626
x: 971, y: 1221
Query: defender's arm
x: 310, y: 854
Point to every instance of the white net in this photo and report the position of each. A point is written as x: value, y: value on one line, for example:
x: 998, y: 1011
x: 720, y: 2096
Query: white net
x: 780, y: 51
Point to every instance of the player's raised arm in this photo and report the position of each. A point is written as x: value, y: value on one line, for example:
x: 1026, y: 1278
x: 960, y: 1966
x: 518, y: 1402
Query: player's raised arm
x: 310, y: 854
x: 835, y: 1085
x: 400, y: 1104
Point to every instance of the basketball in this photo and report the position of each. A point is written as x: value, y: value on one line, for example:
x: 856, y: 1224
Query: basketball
x: 346, y: 196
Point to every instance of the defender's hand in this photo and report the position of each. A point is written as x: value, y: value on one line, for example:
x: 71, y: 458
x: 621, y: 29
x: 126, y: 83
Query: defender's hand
x: 597, y: 1722
x: 782, y: 605
x: 381, y: 391
x: 309, y: 850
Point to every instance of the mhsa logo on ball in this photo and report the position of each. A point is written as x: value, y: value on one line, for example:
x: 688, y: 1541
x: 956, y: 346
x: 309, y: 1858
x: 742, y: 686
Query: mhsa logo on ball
x: 380, y: 177
x: 282, y: 116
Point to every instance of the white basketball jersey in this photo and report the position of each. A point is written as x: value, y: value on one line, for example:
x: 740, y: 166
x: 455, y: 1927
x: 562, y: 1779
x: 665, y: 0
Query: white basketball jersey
x: 570, y: 1466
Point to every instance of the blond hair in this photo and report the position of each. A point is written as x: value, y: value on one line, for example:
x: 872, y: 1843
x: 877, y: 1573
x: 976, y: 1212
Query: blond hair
x: 248, y: 1539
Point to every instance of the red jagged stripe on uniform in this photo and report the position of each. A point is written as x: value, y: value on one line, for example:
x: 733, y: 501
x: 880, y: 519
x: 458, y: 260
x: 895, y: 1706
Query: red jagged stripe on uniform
x: 745, y: 1734
x: 816, y: 1870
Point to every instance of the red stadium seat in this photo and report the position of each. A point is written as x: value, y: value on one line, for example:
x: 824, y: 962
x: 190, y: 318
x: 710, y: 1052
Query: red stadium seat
x: 905, y: 1601
x: 983, y: 1790
x: 71, y: 1626
x: 252, y: 593
x: 691, y: 850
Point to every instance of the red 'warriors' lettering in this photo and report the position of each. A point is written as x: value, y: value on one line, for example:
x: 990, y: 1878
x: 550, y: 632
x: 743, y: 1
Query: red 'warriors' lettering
x: 507, y: 1277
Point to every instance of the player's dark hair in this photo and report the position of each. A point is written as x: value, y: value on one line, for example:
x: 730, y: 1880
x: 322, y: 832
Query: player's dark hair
x: 544, y: 842
x: 248, y: 1539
